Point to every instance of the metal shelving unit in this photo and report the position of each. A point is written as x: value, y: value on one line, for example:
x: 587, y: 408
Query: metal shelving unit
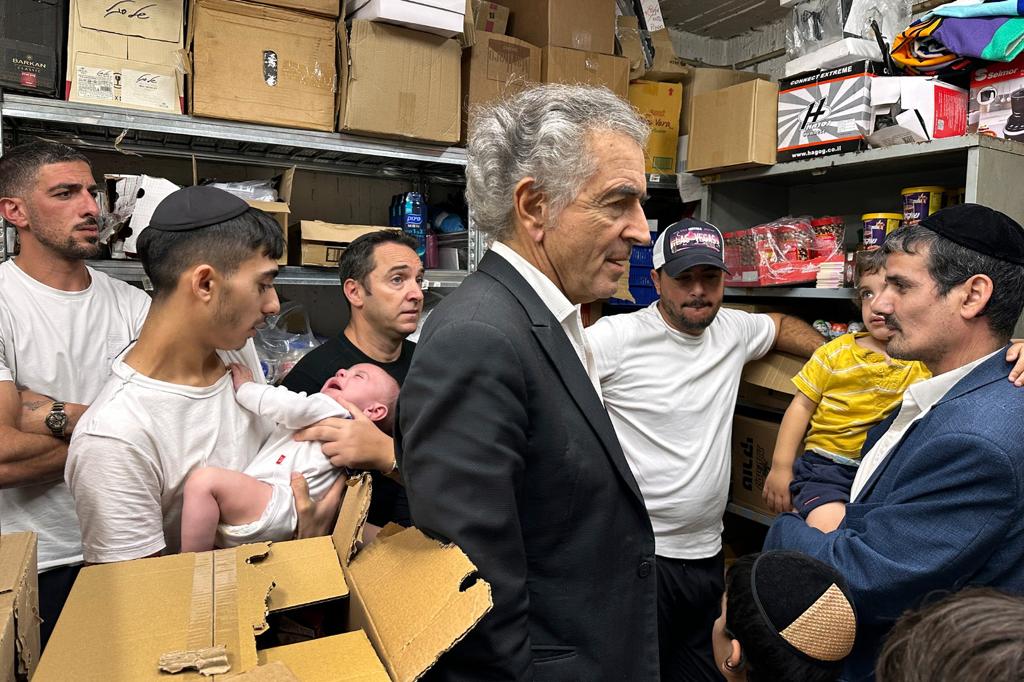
x: 167, y: 135
x: 131, y: 271
x: 172, y: 135
x: 788, y: 292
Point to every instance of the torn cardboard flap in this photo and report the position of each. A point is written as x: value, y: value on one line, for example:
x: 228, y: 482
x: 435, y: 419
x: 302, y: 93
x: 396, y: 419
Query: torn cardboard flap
x: 19, y: 603
x: 408, y: 586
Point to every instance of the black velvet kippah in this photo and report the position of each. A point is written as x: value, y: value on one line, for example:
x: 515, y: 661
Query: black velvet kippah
x: 190, y: 208
x: 806, y: 603
x: 980, y: 228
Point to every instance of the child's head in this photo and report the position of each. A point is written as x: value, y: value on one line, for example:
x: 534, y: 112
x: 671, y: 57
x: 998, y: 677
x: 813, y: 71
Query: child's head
x: 976, y: 635
x: 369, y: 388
x: 771, y: 628
x: 870, y: 280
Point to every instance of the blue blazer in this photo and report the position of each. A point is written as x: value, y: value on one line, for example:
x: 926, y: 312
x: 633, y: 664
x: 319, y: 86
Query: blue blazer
x: 945, y: 510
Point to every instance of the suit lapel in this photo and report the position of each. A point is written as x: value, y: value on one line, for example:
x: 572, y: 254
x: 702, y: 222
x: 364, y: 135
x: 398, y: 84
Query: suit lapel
x: 993, y: 369
x: 570, y: 370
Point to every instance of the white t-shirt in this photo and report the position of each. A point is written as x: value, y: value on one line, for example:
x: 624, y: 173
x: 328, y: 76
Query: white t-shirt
x: 60, y: 344
x: 282, y: 454
x: 136, y: 445
x: 671, y: 398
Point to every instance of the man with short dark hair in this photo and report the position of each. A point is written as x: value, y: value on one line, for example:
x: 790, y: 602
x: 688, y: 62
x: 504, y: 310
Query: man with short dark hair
x: 169, y: 405
x: 382, y: 284
x: 938, y: 499
x: 61, y: 325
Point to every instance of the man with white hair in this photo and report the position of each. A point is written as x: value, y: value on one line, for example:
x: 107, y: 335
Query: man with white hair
x: 504, y: 443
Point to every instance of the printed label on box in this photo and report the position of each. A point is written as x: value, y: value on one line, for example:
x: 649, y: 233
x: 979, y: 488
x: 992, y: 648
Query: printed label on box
x: 144, y: 88
x: 98, y: 84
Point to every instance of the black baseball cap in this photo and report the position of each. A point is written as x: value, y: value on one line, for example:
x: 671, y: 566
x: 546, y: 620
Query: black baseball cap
x: 689, y: 243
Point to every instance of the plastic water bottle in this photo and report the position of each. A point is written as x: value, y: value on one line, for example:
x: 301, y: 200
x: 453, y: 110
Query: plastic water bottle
x: 414, y: 222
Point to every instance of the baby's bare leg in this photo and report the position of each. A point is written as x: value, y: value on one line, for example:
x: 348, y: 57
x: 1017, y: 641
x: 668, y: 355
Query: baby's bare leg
x: 827, y: 517
x: 215, y: 495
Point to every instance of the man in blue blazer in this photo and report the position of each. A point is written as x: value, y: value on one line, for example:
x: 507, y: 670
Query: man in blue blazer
x: 938, y: 502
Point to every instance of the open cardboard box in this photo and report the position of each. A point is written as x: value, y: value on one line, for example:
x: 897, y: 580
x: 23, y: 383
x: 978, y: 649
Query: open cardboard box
x: 323, y: 243
x: 404, y: 598
x: 19, y: 606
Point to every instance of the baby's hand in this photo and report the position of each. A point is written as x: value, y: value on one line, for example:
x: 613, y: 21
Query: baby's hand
x: 240, y: 374
x: 776, y: 490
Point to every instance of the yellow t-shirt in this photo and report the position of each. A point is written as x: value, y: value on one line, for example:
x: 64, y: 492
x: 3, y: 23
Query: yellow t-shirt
x: 855, y: 388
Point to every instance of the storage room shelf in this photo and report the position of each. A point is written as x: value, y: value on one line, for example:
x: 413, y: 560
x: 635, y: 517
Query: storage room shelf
x: 759, y: 517
x: 131, y: 271
x: 904, y: 159
x: 170, y: 135
x: 787, y: 292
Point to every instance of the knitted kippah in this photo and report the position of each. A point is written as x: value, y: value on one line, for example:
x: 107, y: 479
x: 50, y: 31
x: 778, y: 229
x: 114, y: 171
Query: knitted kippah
x: 806, y: 603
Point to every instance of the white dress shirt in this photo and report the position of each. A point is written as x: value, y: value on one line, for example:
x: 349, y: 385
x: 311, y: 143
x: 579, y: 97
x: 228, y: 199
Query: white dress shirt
x: 567, y: 314
x: 918, y: 401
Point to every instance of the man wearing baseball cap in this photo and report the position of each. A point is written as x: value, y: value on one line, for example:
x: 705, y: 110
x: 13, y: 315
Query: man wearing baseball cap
x: 938, y: 500
x: 669, y: 376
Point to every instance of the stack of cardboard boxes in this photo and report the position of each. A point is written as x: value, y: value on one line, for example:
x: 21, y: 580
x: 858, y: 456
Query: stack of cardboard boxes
x: 577, y: 40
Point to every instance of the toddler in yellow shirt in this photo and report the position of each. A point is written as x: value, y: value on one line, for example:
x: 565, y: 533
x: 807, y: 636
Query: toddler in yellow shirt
x: 849, y: 385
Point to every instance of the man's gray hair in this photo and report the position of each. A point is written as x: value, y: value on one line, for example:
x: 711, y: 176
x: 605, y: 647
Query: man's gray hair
x: 541, y: 133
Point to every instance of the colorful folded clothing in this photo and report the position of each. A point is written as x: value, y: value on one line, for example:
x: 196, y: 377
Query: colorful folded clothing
x: 981, y: 8
x: 995, y: 39
x: 919, y: 52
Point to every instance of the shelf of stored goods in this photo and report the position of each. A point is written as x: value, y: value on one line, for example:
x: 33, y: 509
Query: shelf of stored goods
x: 788, y: 292
x: 131, y: 271
x: 167, y: 135
x: 850, y: 185
x: 869, y: 181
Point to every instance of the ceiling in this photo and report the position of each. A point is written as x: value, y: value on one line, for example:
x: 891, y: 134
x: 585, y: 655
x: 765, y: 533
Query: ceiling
x: 720, y: 18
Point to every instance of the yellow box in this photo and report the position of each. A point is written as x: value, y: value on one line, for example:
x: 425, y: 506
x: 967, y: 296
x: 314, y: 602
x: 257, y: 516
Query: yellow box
x: 660, y: 104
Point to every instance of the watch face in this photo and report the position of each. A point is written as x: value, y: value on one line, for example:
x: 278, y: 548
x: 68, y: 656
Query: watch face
x: 56, y: 421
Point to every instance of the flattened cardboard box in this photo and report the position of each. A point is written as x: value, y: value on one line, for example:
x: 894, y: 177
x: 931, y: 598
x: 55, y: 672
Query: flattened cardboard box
x: 19, y: 606
x: 587, y: 25
x: 400, y: 83
x: 562, y: 65
x: 262, y: 65
x: 733, y: 128
x: 497, y: 66
x: 126, y: 53
x: 402, y: 592
x: 323, y: 243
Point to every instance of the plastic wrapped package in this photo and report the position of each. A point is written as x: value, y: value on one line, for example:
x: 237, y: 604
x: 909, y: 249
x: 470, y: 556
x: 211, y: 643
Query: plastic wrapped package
x: 250, y: 190
x: 784, y: 251
x: 814, y: 24
x: 280, y: 349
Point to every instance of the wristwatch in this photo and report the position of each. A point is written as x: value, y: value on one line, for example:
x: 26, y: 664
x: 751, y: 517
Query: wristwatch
x: 57, y: 420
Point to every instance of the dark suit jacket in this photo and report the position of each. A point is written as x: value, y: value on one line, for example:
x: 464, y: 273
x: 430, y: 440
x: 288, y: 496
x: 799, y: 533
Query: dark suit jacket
x: 507, y: 451
x: 943, y: 511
